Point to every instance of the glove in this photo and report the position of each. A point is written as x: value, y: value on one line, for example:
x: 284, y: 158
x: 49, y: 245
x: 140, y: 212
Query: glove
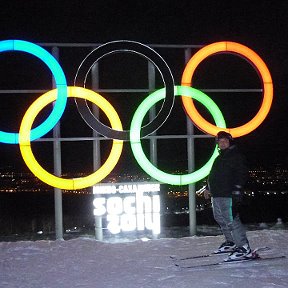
x: 237, y: 195
x: 206, y: 194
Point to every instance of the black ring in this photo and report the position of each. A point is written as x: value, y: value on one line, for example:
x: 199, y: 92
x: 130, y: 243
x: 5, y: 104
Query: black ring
x: 130, y: 47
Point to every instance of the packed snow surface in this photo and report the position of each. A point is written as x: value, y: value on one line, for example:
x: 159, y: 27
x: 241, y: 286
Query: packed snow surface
x: 86, y: 262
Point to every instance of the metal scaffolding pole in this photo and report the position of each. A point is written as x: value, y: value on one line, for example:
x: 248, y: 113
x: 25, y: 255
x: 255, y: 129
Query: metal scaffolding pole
x: 191, y: 165
x: 57, y: 169
x: 96, y: 147
x: 152, y: 114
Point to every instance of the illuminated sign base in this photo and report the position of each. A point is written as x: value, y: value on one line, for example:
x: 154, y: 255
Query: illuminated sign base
x: 127, y: 207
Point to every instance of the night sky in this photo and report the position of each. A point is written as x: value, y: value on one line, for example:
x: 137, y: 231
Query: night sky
x: 260, y: 25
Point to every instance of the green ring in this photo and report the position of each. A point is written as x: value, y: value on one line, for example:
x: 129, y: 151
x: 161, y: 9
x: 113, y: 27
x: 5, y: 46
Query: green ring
x: 135, y: 138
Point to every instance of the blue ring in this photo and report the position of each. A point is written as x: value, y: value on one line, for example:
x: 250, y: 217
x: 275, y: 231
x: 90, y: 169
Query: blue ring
x: 60, y: 82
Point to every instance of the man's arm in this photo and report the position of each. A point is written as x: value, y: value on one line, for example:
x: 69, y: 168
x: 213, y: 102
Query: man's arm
x: 241, y: 176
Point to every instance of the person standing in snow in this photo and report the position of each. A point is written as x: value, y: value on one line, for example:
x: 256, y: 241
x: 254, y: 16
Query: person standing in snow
x: 227, y: 177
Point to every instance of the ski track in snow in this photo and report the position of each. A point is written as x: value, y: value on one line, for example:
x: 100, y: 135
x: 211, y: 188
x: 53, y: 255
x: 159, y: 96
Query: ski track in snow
x: 85, y: 262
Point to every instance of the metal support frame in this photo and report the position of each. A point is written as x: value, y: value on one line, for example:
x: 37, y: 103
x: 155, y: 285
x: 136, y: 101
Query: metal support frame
x: 152, y: 113
x: 96, y: 147
x: 97, y: 138
x: 191, y: 166
x: 57, y: 169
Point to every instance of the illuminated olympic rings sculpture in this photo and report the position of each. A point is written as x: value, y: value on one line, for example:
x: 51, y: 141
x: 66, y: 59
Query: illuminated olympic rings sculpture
x: 60, y: 80
x: 130, y: 47
x: 136, y: 132
x: 259, y: 65
x: 75, y: 183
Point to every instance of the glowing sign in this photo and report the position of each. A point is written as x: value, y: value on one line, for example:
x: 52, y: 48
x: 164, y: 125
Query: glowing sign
x: 128, y: 207
x: 60, y: 80
x: 125, y: 46
x: 260, y: 66
x: 116, y: 132
x: 34, y: 166
x: 126, y: 188
x: 135, y: 139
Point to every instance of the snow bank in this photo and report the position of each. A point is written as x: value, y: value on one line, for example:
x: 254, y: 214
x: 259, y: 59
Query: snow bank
x: 85, y: 262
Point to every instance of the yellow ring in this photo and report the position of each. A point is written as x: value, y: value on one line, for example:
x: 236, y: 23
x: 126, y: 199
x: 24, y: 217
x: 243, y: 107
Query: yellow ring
x: 42, y: 174
x: 261, y: 67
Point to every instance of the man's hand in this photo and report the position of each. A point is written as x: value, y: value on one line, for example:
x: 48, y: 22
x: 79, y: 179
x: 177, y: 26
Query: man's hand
x: 206, y: 194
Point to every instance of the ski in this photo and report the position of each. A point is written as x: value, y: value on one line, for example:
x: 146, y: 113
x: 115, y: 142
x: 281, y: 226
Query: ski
x: 197, y: 256
x: 175, y: 258
x: 230, y: 262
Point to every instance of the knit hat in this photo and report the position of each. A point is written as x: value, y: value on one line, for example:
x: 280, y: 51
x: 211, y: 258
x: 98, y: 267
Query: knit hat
x: 223, y: 134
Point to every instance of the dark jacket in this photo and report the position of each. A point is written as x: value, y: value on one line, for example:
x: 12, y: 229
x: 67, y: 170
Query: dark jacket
x: 228, y: 171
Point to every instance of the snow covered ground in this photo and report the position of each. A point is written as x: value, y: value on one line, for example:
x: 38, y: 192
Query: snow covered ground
x: 85, y: 262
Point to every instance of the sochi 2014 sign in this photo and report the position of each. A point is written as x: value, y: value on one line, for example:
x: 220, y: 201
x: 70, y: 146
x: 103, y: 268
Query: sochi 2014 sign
x: 127, y: 207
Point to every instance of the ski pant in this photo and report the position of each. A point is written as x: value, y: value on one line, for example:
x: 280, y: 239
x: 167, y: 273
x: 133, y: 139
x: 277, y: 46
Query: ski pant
x: 231, y: 226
